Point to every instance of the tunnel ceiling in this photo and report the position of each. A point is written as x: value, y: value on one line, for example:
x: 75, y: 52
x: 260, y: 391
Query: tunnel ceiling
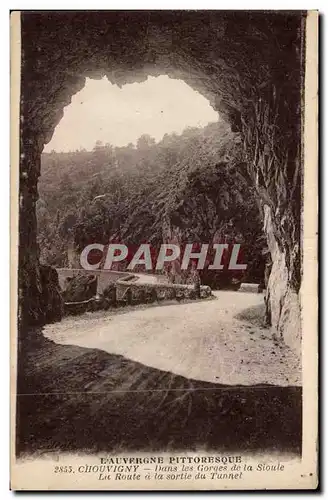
x: 232, y: 58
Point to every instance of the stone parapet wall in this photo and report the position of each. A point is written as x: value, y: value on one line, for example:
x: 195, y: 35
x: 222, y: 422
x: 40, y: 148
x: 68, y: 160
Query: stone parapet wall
x: 163, y: 291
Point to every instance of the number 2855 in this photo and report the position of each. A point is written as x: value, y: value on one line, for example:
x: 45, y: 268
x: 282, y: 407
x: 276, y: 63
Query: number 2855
x: 63, y: 469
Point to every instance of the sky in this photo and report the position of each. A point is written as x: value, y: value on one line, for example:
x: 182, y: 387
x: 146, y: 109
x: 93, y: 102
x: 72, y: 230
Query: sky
x: 103, y: 111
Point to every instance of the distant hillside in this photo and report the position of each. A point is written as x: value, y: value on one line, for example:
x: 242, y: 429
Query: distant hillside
x: 194, y: 185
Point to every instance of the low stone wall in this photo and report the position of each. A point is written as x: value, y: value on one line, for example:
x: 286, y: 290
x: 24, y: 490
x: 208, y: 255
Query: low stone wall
x: 140, y: 292
x: 250, y: 288
x: 104, y: 277
x: 130, y: 290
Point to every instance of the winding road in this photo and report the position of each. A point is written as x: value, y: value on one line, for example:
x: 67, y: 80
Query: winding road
x: 201, y: 340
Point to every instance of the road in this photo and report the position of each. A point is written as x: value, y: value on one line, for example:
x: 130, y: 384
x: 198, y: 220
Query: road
x: 200, y: 340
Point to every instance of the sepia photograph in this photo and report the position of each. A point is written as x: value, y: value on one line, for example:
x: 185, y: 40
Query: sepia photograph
x: 164, y: 247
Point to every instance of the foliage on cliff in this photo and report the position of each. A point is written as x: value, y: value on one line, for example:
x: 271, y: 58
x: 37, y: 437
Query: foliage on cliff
x: 194, y: 186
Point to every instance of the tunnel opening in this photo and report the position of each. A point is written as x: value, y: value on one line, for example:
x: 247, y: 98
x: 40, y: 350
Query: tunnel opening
x: 250, y: 67
x: 159, y: 167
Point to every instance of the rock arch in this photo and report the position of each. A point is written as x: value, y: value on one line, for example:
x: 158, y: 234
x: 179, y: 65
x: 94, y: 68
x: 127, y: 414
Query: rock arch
x: 248, y: 64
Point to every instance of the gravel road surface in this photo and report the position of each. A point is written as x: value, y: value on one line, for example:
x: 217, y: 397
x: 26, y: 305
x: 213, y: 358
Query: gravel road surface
x: 201, y: 340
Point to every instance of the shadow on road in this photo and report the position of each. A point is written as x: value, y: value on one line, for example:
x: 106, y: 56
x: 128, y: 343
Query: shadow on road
x: 77, y: 399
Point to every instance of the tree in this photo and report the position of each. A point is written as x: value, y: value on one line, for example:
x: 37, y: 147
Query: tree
x: 145, y: 141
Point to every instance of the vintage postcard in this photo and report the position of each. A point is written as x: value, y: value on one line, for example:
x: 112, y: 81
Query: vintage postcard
x: 164, y: 310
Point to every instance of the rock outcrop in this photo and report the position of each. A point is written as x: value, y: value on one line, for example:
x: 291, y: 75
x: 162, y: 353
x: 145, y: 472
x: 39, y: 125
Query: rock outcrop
x: 80, y: 288
x: 248, y: 64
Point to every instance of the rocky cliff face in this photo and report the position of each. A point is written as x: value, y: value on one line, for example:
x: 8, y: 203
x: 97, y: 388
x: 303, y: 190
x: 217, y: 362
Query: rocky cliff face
x: 248, y: 64
x: 281, y: 297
